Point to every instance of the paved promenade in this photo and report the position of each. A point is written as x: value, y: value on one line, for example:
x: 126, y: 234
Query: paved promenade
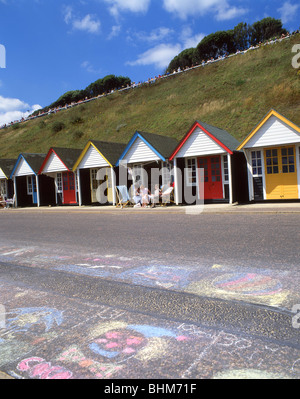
x: 286, y: 207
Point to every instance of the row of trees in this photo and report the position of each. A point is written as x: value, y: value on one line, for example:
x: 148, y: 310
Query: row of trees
x: 100, y: 86
x: 228, y: 42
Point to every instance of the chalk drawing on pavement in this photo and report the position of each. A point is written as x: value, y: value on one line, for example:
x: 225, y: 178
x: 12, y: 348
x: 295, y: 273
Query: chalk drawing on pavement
x: 246, y: 286
x: 159, y: 276
x: 39, y: 368
x: 224, y: 355
x: 21, y: 320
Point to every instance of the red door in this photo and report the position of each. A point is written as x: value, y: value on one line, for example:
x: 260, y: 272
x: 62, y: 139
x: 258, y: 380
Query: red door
x: 213, y: 185
x: 69, y: 188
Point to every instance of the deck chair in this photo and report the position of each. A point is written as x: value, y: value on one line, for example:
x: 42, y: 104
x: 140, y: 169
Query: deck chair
x: 2, y: 202
x: 167, y: 196
x: 123, y: 198
x: 10, y: 202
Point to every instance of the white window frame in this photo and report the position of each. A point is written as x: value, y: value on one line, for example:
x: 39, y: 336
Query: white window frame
x: 29, y: 184
x: 256, y: 159
x: 190, y: 169
x: 93, y: 177
x: 59, y: 185
x: 3, y: 187
x: 225, y: 175
x: 166, y: 173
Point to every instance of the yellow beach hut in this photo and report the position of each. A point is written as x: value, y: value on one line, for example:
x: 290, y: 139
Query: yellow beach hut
x: 97, y: 156
x: 272, y: 153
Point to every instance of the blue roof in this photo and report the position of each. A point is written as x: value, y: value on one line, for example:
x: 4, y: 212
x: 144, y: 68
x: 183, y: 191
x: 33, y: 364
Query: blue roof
x: 162, y: 146
x: 34, y: 161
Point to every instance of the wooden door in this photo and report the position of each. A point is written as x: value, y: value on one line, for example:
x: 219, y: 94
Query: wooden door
x: 213, y: 185
x: 69, y: 188
x: 94, y: 185
x: 105, y: 183
x: 281, y: 173
x: 34, y: 190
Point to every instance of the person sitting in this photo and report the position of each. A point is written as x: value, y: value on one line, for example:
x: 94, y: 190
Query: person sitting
x: 155, y: 197
x: 145, y: 196
x: 167, y: 192
x: 137, y: 197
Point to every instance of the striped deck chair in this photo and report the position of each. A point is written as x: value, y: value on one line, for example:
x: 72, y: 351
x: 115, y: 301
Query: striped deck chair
x: 167, y: 196
x: 123, y: 198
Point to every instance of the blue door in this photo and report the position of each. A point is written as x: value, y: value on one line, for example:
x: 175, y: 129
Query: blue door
x: 34, y: 192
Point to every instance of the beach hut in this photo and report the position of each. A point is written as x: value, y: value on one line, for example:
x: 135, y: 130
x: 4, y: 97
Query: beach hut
x: 58, y: 166
x: 6, y: 184
x: 30, y: 189
x: 212, y: 150
x: 272, y: 153
x: 95, y: 169
x: 145, y: 152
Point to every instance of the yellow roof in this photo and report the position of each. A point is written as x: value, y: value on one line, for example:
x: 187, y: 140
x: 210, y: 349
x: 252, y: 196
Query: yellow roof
x: 90, y: 143
x: 268, y: 116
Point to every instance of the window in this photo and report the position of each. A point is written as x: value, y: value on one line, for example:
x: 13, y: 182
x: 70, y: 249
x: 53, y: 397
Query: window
x: 59, y: 182
x: 29, y: 185
x: 288, y: 160
x: 256, y: 163
x: 71, y: 181
x: 191, y: 171
x: 203, y: 165
x: 166, y: 173
x: 3, y: 191
x: 215, y: 169
x: 94, y: 182
x: 226, y: 170
x: 280, y: 160
x: 272, y: 162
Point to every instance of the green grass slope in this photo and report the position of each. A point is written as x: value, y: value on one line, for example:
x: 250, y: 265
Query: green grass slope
x: 234, y: 94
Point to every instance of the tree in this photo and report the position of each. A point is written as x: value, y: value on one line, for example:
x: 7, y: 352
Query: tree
x: 106, y: 84
x: 67, y: 98
x: 266, y: 29
x: 216, y: 44
x: 242, y: 36
x: 186, y: 58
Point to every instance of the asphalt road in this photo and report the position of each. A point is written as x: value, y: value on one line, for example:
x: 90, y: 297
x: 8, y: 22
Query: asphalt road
x: 125, y: 296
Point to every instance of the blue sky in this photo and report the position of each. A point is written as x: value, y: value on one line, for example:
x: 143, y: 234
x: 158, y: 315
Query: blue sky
x: 53, y: 46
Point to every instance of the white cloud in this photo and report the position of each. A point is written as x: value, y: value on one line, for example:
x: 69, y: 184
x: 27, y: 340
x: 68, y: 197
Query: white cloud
x: 227, y: 12
x: 189, y: 40
x: 155, y: 35
x: 68, y: 11
x: 12, y: 109
x: 159, y: 56
x: 135, y: 6
x: 90, y: 68
x: 221, y: 8
x: 288, y: 11
x: 115, y: 30
x: 162, y: 54
x: 89, y: 23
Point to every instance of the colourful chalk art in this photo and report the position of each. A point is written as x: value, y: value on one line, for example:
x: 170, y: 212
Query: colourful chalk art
x: 101, y: 342
x: 250, y: 287
x: 261, y: 286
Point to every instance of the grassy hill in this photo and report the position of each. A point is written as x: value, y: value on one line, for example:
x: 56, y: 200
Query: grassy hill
x: 233, y: 94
